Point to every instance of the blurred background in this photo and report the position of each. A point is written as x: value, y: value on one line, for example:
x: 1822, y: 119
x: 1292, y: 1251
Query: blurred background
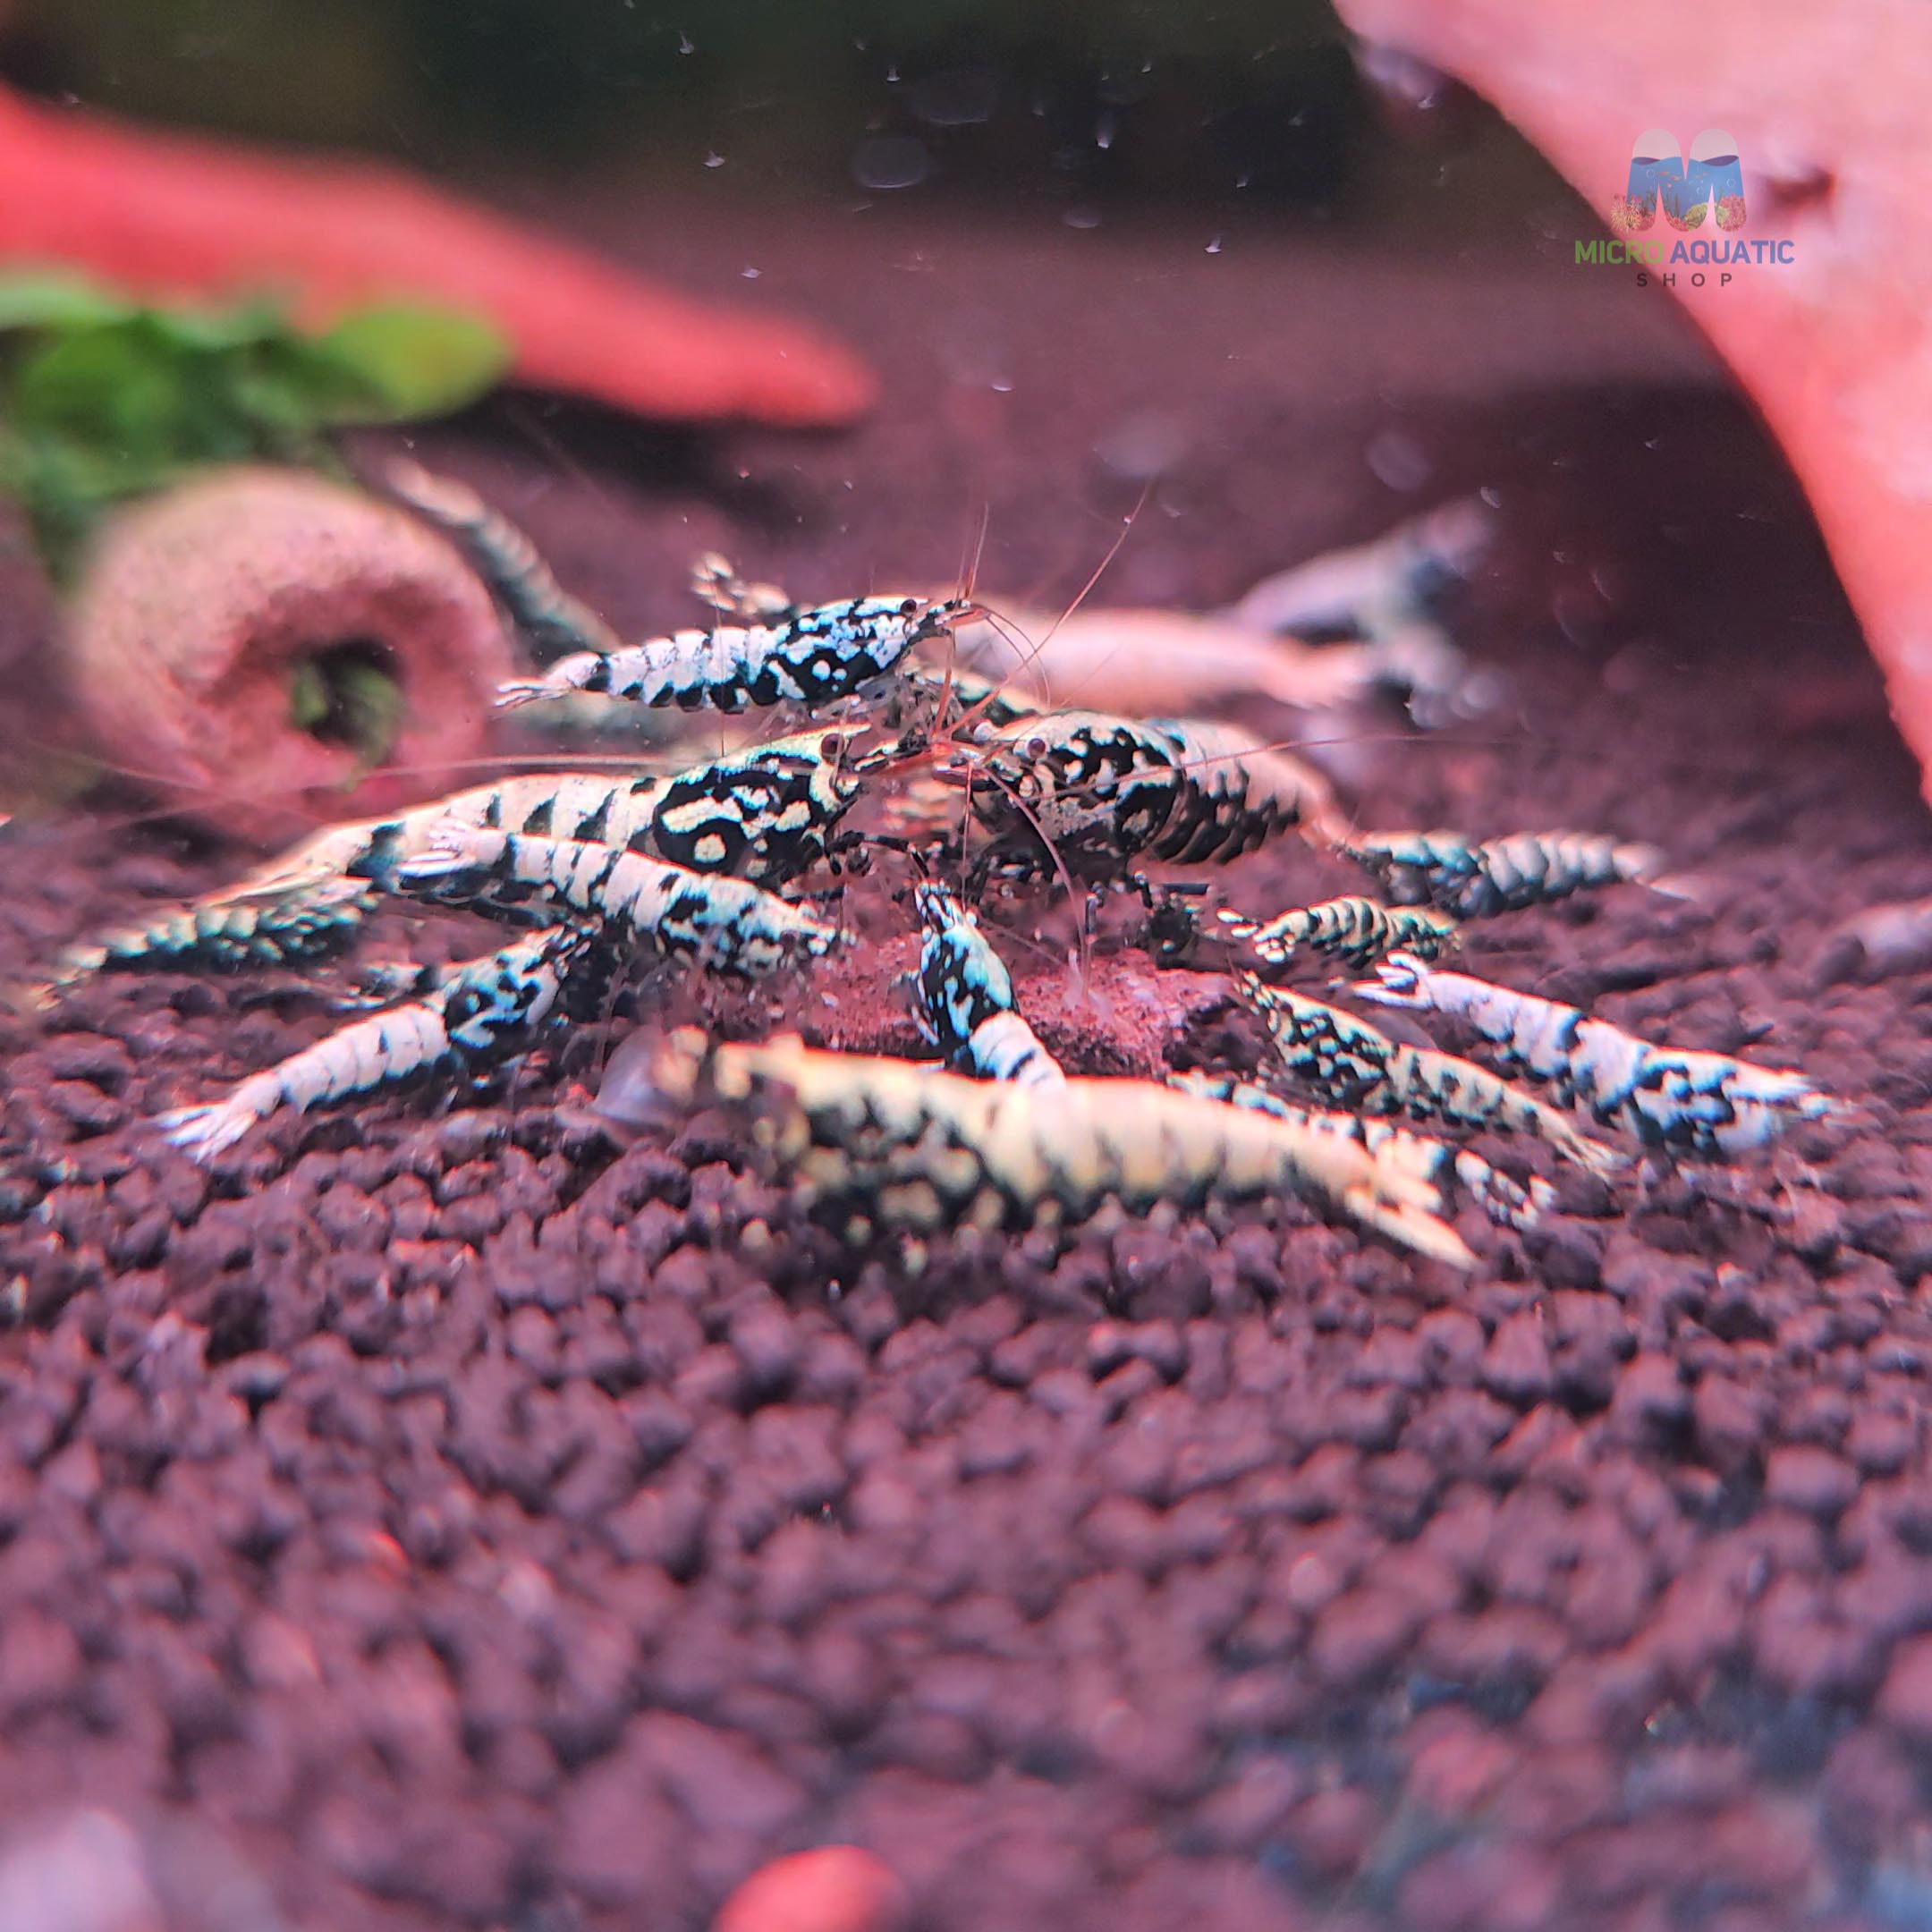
x: 1070, y: 111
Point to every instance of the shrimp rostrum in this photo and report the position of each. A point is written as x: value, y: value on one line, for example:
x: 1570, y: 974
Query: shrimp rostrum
x: 1698, y: 1103
x: 879, y: 1147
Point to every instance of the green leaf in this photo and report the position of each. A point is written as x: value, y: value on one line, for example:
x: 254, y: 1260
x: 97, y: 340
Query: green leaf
x: 111, y: 386
x: 416, y: 361
x: 345, y: 700
x: 258, y: 320
x: 309, y: 695
x: 53, y: 299
x: 325, y: 389
x: 102, y: 398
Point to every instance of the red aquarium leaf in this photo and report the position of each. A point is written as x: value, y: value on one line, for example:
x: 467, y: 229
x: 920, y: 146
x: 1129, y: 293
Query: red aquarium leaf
x: 163, y: 214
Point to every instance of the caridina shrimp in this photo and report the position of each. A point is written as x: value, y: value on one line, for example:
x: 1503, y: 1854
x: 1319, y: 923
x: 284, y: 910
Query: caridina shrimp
x: 1153, y: 663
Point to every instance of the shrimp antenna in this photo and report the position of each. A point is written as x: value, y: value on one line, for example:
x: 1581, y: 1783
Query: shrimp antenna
x: 1101, y: 569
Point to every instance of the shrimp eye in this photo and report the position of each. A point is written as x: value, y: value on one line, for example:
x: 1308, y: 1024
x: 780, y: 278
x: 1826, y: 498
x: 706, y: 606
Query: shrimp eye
x: 908, y: 606
x: 1035, y: 748
x: 831, y: 745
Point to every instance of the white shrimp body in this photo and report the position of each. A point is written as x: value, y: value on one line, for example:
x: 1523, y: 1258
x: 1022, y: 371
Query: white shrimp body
x: 734, y: 926
x: 1702, y: 1103
x: 1507, y: 1201
x: 1003, y: 1047
x: 1145, y: 662
x: 479, y: 1009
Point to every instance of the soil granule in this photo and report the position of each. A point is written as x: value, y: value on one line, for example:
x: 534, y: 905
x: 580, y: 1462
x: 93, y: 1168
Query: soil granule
x: 433, y: 1518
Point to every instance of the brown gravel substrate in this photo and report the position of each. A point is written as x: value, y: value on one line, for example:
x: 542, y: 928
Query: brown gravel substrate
x: 428, y: 1520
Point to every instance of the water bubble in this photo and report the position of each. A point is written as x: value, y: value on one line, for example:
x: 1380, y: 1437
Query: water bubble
x: 890, y: 161
x: 1104, y: 132
x: 714, y: 160
x: 686, y: 44
x: 1080, y: 216
x: 1214, y: 247
x: 749, y: 274
x: 1142, y: 446
x: 962, y: 97
x: 1399, y: 461
x: 1000, y: 386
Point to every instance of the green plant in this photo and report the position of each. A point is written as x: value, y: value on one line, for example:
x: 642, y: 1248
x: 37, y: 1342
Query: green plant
x: 102, y: 398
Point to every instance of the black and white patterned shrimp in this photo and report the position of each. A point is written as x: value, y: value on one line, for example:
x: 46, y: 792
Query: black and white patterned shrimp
x: 1506, y: 874
x: 1351, y: 931
x: 1698, y: 1103
x: 1508, y: 1202
x: 1349, y: 1063
x: 218, y: 933
x: 480, y: 1009
x: 1093, y: 793
x: 875, y: 1147
x: 731, y: 925
x: 1376, y: 589
x: 766, y: 814
x: 548, y: 618
x: 811, y: 657
x: 965, y: 998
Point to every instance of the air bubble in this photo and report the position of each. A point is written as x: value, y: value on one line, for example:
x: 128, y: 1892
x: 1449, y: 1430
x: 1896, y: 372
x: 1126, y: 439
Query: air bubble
x: 890, y: 161
x: 962, y: 96
x: 1399, y: 461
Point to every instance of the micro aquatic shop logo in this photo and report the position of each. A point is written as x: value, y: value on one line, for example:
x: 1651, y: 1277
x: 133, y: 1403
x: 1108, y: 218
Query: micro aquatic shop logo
x: 1707, y: 186
x: 1685, y: 190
